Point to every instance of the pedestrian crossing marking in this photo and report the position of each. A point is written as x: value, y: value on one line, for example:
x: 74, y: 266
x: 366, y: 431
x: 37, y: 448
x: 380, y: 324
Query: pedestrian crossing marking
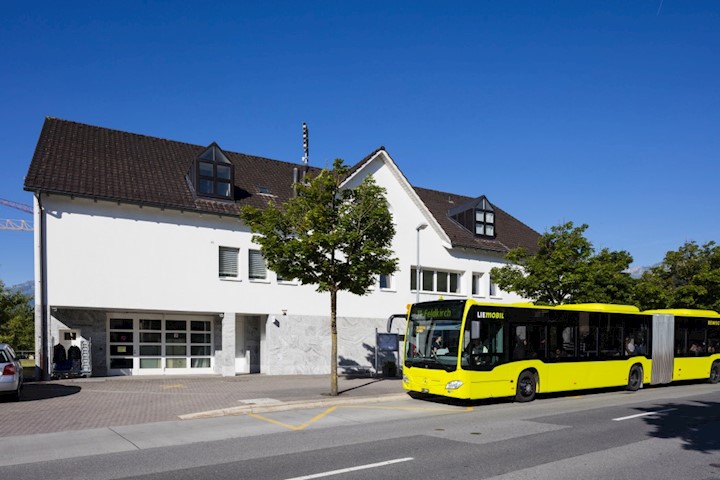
x: 332, y: 409
x: 294, y: 427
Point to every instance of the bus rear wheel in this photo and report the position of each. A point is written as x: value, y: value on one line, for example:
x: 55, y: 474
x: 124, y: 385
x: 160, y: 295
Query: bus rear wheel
x: 714, y: 373
x: 526, y: 387
x: 635, y: 378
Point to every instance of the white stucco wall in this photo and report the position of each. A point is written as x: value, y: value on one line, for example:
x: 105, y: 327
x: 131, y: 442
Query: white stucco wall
x: 105, y: 255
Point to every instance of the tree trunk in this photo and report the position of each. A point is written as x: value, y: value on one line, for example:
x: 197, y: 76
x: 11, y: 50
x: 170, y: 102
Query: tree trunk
x: 333, y: 340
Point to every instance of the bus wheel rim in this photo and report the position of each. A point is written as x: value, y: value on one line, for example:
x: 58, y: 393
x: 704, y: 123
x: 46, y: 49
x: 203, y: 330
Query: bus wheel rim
x: 526, y: 387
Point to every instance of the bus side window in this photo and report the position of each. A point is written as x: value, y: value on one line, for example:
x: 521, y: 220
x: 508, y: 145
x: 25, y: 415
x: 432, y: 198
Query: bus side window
x: 588, y: 335
x: 697, y: 337
x: 713, y: 339
x: 611, y: 339
x: 637, y: 332
x: 562, y: 334
x: 537, y: 340
x: 681, y: 336
x: 519, y: 343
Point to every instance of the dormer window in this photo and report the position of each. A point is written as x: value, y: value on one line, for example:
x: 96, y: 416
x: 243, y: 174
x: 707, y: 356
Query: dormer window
x: 477, y: 215
x: 485, y: 219
x: 214, y: 174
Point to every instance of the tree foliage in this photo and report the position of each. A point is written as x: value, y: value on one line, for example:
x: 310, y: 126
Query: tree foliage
x: 566, y: 269
x: 337, y: 239
x: 687, y: 278
x: 17, y: 321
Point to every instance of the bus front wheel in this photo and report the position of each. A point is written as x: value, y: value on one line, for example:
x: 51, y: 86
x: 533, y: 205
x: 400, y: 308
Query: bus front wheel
x: 635, y: 378
x: 714, y: 373
x: 526, y: 387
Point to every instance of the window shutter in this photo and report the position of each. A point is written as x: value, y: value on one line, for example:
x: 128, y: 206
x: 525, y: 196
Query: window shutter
x: 257, y: 265
x: 229, y: 261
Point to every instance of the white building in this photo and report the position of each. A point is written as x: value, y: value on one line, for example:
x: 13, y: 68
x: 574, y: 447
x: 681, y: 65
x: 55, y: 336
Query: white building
x: 141, y: 258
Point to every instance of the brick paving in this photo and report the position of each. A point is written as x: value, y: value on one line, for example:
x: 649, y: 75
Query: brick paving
x: 78, y: 404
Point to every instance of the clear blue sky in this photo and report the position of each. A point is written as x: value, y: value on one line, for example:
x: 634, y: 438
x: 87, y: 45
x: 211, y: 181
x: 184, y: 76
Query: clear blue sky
x: 606, y: 113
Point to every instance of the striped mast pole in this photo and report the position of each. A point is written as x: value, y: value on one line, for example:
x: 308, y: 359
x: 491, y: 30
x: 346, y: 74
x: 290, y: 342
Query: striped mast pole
x: 306, y: 149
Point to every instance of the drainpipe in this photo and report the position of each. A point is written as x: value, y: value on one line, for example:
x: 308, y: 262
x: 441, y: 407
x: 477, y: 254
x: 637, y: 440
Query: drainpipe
x: 42, y: 364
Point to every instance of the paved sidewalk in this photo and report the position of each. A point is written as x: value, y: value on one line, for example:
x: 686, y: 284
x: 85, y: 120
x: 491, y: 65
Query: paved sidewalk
x: 64, y: 405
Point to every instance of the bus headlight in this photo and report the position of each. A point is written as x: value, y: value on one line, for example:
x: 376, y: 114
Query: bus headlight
x: 453, y: 385
x: 406, y: 379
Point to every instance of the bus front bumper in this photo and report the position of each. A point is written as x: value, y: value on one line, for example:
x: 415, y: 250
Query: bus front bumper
x: 435, y: 384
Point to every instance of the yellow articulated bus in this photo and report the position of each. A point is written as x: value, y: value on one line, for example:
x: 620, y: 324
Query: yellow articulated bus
x: 470, y: 350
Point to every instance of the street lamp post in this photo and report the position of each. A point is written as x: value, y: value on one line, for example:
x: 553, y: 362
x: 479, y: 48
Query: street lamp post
x: 422, y: 226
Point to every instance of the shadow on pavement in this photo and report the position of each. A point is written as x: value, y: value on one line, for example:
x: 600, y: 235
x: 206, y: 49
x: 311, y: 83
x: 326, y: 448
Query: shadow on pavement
x: 369, y: 382
x: 38, y: 391
x: 695, y: 424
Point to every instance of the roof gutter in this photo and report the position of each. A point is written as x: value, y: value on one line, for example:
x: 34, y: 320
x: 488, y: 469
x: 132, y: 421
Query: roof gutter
x: 162, y: 206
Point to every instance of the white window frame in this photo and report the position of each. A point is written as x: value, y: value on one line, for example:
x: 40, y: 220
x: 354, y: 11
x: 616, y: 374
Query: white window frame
x: 228, y: 251
x: 390, y: 283
x: 493, y: 290
x: 435, y: 273
x: 254, y: 263
x: 283, y: 281
x: 135, y: 369
x: 477, y: 289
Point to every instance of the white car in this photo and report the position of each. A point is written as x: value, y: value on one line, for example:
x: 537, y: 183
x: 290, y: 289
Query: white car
x: 11, y: 372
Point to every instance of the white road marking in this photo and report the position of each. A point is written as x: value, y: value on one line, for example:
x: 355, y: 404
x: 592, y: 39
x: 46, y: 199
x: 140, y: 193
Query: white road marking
x: 352, y: 469
x: 619, y: 419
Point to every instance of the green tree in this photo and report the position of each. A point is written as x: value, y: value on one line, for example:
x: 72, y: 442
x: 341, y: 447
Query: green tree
x: 566, y: 269
x: 338, y: 239
x: 17, y: 321
x: 687, y: 278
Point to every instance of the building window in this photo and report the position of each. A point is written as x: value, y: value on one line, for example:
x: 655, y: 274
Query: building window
x: 477, y: 216
x: 228, y: 267
x: 386, y: 282
x: 492, y: 288
x: 286, y: 281
x: 436, y: 281
x: 148, y: 343
x: 256, y: 265
x: 484, y: 219
x: 121, y: 342
x: 477, y: 289
x: 214, y: 174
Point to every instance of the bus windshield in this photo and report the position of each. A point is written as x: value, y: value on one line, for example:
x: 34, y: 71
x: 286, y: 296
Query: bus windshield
x: 434, y: 335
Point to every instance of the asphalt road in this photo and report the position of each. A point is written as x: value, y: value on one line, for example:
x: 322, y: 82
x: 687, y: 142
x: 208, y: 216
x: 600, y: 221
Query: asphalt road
x: 659, y: 433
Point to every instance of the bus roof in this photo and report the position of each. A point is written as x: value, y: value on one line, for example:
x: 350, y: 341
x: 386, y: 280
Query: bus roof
x: 599, y: 307
x: 686, y: 312
x: 583, y: 307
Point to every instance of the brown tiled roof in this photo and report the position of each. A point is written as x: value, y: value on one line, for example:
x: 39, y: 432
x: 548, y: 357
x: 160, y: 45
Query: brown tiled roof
x: 509, y: 232
x: 87, y: 161
x: 94, y: 162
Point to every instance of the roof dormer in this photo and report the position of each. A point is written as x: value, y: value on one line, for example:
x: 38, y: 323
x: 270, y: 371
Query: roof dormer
x: 477, y: 215
x: 213, y: 174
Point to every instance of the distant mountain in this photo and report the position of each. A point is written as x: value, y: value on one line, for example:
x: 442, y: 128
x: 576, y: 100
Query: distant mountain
x: 637, y: 272
x: 26, y: 288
